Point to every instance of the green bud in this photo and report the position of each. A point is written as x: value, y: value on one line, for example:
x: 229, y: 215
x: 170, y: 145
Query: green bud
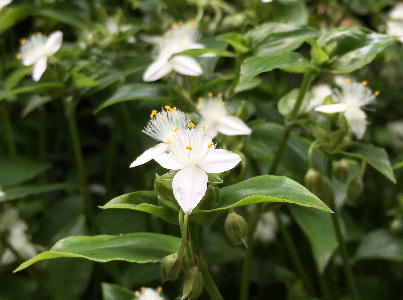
x: 319, y: 184
x: 312, y: 180
x: 354, y: 190
x: 235, y: 228
x: 192, y: 284
x: 342, y: 170
x: 171, y: 266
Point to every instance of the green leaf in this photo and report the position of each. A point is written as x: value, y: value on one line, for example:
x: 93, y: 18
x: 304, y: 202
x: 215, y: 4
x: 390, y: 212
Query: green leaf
x: 115, y: 292
x: 81, y: 81
x: 23, y: 191
x: 266, y: 189
x: 36, y: 88
x: 14, y: 172
x: 276, y: 38
x: 145, y: 201
x: 235, y: 40
x: 286, y: 104
x: 12, y: 15
x: 381, y: 244
x: 15, y: 77
x: 34, y: 103
x: 131, y: 247
x: 137, y: 91
x: 351, y: 48
x: 318, y: 227
x: 63, y: 15
x: 255, y: 65
x: 364, y: 7
x: 375, y: 156
x: 198, y: 52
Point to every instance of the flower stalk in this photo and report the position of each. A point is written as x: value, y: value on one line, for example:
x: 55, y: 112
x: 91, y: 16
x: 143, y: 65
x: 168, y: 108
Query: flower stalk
x: 8, y: 132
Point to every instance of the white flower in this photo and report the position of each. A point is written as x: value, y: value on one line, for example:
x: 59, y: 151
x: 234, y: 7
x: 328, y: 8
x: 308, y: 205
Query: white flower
x: 149, y: 294
x: 4, y: 3
x: 266, y: 227
x: 36, y: 50
x: 352, y: 97
x: 193, y: 153
x: 215, y: 118
x: 395, y: 24
x: 162, y: 127
x: 180, y: 38
x: 319, y: 93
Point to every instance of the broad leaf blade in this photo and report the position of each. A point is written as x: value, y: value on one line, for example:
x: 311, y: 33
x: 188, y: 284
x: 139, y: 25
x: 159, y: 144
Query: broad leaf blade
x: 131, y: 247
x: 267, y: 189
x: 12, y: 15
x: 14, y: 172
x: 23, y: 191
x: 115, y: 292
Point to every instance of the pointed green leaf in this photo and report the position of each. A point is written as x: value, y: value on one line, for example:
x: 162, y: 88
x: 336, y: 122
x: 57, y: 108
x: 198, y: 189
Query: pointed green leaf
x: 145, y: 201
x: 266, y: 189
x: 10, y: 16
x: 131, y: 247
x: 115, y: 292
x: 14, y: 172
x: 375, y: 156
x: 198, y: 52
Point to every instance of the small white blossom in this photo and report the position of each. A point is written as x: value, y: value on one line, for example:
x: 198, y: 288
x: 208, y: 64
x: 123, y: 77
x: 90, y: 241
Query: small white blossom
x: 395, y: 23
x: 162, y: 127
x: 36, y: 50
x: 180, y: 38
x: 266, y: 227
x: 149, y: 294
x: 352, y: 97
x: 4, y: 3
x: 216, y: 118
x: 319, y: 93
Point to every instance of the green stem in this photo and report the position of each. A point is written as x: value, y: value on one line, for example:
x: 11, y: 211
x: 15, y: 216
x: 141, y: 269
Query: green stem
x: 344, y: 254
x: 209, y: 283
x: 259, y: 208
x: 8, y: 131
x: 70, y: 111
x: 237, y: 74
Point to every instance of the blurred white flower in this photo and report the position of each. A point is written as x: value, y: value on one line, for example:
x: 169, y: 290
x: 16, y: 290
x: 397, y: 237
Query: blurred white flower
x: 112, y: 25
x: 4, y: 3
x: 266, y: 227
x: 395, y: 23
x: 36, y: 50
x: 352, y: 97
x: 17, y: 237
x: 149, y: 294
x: 179, y: 38
x: 319, y: 93
x: 216, y: 118
x: 396, y: 127
x: 162, y: 127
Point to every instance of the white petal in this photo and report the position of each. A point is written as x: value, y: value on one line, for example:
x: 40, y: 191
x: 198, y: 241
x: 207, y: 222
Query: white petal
x: 230, y: 125
x: 356, y: 118
x: 157, y: 70
x: 39, y: 68
x: 332, y: 108
x: 53, y: 43
x: 219, y: 160
x: 149, y: 154
x: 186, y: 66
x: 168, y: 161
x: 189, y: 186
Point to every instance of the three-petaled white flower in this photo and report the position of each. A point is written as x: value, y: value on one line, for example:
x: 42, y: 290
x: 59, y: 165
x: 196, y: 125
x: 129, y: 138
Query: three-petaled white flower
x: 36, y: 50
x: 162, y: 127
x: 180, y: 38
x: 216, y: 118
x: 149, y: 294
x: 4, y: 3
x: 352, y: 97
x: 395, y: 23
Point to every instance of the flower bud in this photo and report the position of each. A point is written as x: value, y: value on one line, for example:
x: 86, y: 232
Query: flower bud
x: 312, y: 180
x: 192, y: 284
x: 171, y: 266
x: 342, y: 170
x: 235, y: 228
x: 319, y: 184
x: 354, y: 190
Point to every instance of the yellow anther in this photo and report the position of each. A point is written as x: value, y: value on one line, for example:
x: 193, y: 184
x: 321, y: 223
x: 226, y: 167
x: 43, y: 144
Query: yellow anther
x: 191, y: 125
x: 174, y: 25
x: 142, y: 289
x: 159, y: 289
x: 219, y: 95
x: 199, y: 106
x: 136, y: 293
x: 167, y: 142
x: 346, y: 80
x: 176, y: 129
x: 377, y: 93
x: 23, y: 41
x: 189, y: 147
x: 180, y: 22
x: 153, y: 113
x: 204, y: 127
x: 169, y: 109
x: 200, y: 99
x: 159, y: 116
x: 18, y: 56
x: 222, y: 103
x: 210, y: 94
x: 210, y: 146
x: 364, y: 82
